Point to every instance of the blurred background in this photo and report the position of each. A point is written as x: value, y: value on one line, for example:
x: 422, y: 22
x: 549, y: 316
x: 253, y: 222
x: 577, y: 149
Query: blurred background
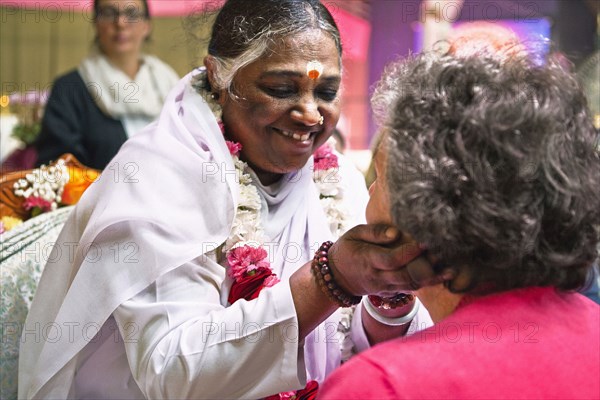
x: 40, y: 40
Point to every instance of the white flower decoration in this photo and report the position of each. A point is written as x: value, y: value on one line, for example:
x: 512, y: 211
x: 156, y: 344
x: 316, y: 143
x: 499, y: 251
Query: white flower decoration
x: 249, y: 197
x: 45, y: 182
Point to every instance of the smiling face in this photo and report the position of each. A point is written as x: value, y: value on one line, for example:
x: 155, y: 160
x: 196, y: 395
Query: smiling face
x: 276, y: 108
x: 121, y: 27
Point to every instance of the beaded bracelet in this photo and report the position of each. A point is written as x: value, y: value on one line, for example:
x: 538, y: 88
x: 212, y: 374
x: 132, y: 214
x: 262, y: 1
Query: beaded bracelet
x: 389, y: 303
x: 324, y: 276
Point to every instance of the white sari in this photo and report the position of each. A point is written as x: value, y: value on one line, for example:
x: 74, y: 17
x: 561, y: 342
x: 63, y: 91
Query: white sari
x: 166, y: 201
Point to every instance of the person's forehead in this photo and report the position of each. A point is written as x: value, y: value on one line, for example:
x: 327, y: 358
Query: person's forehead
x: 307, y: 46
x: 310, y: 40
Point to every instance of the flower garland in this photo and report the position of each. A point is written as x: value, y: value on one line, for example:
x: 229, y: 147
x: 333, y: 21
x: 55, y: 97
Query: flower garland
x: 247, y: 258
x: 325, y: 176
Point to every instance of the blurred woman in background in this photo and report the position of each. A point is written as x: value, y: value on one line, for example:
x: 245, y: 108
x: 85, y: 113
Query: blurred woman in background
x: 113, y: 93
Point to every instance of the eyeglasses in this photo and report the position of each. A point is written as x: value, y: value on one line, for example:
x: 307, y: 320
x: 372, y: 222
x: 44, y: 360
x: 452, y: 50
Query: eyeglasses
x: 112, y: 14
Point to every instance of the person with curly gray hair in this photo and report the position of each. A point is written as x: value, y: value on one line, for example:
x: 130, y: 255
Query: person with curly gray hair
x: 488, y: 162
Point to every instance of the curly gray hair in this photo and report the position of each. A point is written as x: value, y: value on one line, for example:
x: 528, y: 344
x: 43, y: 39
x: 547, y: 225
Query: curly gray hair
x: 492, y: 164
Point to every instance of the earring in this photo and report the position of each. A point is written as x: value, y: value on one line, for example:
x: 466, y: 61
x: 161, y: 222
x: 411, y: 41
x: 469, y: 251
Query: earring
x: 214, y: 96
x: 321, y: 120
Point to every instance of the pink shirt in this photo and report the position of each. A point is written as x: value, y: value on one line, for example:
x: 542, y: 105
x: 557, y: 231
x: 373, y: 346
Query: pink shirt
x: 526, y: 343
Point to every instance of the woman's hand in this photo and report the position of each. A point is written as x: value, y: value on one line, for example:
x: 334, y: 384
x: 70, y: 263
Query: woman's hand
x: 378, y: 259
x: 368, y: 259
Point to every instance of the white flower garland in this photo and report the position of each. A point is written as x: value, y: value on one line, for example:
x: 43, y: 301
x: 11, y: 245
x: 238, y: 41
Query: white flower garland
x: 331, y: 195
x: 247, y: 227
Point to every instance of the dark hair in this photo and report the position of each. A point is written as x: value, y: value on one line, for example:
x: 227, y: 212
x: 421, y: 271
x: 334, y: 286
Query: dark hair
x: 146, y: 12
x: 244, y: 30
x: 493, y: 164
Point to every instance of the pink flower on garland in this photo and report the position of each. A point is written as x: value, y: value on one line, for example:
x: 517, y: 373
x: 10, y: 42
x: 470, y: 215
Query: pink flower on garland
x: 32, y: 202
x: 234, y: 148
x: 271, y: 280
x: 325, y: 158
x: 247, y: 260
x: 308, y: 393
x: 287, y: 395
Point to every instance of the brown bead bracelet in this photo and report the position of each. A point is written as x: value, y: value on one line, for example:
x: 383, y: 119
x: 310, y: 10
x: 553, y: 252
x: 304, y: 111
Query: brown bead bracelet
x: 324, y: 276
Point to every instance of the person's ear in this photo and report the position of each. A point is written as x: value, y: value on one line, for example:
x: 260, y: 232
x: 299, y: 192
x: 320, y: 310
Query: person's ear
x: 218, y: 94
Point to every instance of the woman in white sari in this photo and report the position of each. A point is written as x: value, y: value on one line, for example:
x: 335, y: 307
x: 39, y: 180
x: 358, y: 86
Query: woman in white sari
x: 187, y: 272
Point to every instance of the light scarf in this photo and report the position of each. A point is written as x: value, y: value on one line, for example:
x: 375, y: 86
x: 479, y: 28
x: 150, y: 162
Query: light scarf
x: 173, y: 198
x: 119, y: 96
